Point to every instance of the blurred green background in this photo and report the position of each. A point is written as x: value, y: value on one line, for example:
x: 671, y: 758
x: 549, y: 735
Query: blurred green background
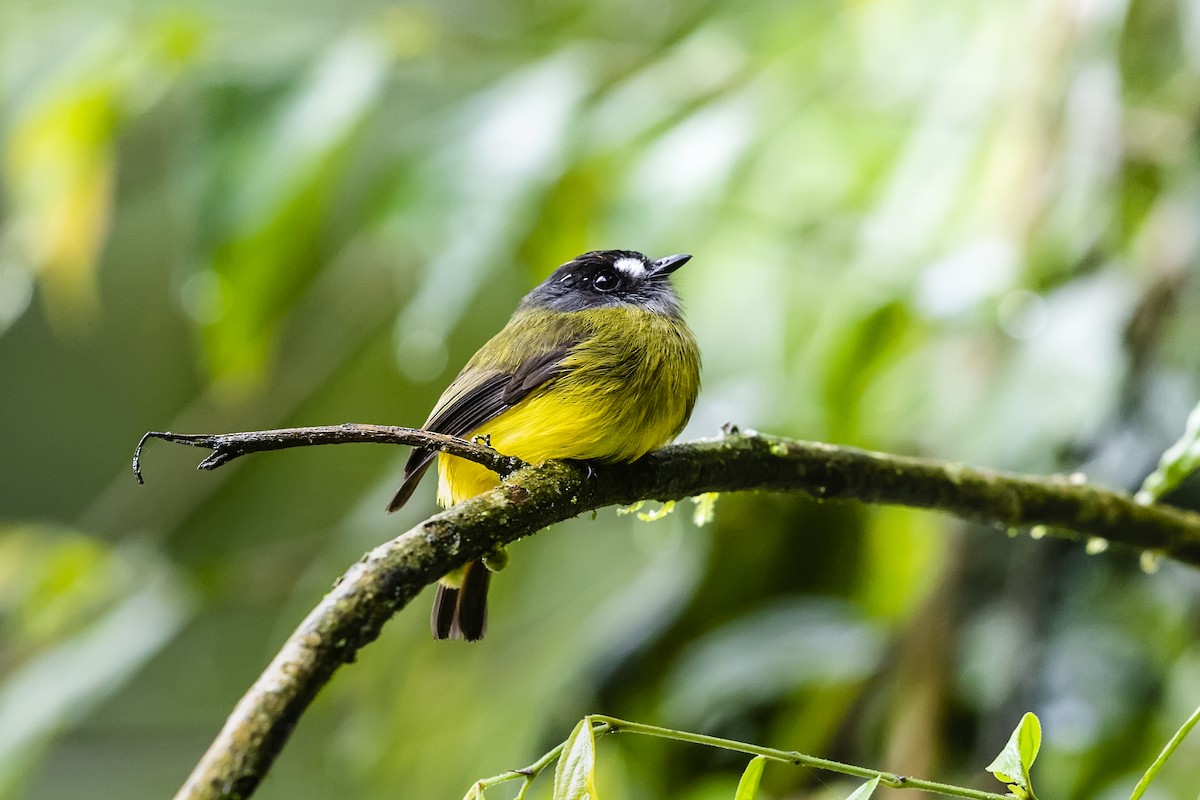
x: 962, y: 230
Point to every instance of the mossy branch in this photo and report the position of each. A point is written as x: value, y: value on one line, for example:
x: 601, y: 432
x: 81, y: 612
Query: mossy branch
x: 352, y: 614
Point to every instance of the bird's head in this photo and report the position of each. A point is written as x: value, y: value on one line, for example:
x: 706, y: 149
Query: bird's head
x: 605, y: 278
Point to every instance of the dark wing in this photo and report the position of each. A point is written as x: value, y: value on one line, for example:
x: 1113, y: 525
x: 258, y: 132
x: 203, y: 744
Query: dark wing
x: 532, y: 373
x: 460, y: 414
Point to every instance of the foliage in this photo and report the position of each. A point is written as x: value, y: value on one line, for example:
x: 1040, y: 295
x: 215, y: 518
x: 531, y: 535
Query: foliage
x: 1178, y: 462
x: 747, y: 788
x: 957, y: 229
x: 575, y: 773
x: 1013, y: 763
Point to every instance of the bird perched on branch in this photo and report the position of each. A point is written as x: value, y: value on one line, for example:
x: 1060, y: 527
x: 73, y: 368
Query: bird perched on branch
x: 595, y: 364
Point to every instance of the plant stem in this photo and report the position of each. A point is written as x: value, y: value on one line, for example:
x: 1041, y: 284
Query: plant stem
x: 1176, y: 740
x: 798, y: 759
x: 528, y: 774
x: 604, y: 725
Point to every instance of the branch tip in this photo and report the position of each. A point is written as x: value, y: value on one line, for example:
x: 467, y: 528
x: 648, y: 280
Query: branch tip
x: 137, y: 453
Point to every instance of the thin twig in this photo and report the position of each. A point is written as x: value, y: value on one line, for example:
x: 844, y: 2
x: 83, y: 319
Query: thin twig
x: 1176, y: 740
x: 796, y: 758
x: 603, y: 725
x: 228, y: 446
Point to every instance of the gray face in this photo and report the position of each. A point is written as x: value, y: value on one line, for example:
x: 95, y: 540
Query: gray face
x: 606, y: 278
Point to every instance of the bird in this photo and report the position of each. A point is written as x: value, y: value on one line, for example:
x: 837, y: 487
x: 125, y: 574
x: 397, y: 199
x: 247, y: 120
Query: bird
x: 596, y: 364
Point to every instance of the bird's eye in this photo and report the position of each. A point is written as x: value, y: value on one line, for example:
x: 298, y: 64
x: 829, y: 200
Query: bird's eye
x: 605, y: 281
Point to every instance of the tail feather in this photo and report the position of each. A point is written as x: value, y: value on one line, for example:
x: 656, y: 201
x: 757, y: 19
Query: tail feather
x: 441, y: 620
x: 461, y: 612
x: 470, y: 619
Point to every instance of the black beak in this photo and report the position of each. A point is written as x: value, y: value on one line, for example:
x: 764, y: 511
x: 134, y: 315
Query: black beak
x: 665, y: 266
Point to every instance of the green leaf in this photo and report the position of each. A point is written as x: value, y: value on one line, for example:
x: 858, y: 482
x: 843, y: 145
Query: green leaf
x: 1029, y: 740
x: 575, y: 775
x: 1013, y: 764
x: 1180, y: 460
x: 866, y: 790
x: 747, y: 788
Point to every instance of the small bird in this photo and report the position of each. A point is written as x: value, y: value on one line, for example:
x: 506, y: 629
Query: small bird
x: 595, y: 364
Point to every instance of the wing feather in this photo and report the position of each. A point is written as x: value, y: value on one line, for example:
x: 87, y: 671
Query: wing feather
x: 475, y: 399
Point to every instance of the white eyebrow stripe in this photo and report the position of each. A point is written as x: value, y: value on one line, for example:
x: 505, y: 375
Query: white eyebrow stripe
x: 632, y: 267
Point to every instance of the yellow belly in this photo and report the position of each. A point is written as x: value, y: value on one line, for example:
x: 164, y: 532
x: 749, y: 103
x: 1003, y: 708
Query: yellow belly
x: 564, y: 424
